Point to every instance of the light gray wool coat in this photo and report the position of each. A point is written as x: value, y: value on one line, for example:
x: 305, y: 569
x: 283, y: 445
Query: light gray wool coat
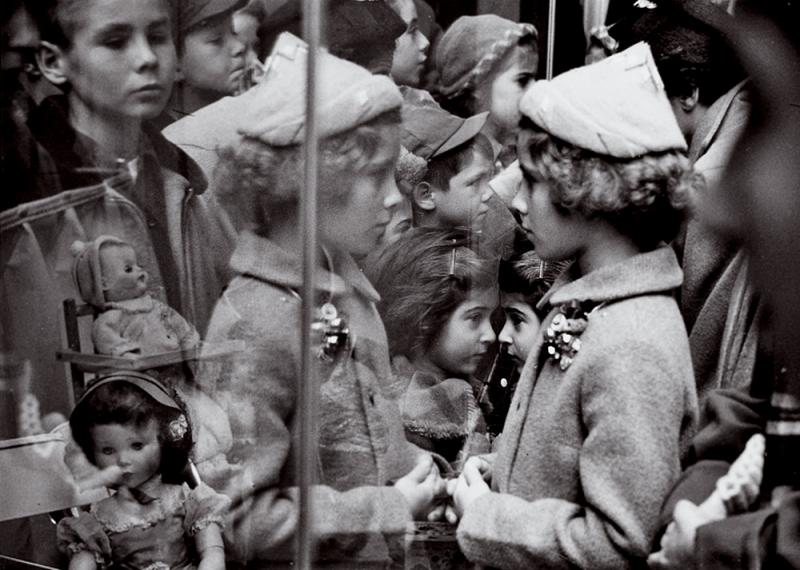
x: 588, y: 454
x: 357, y: 514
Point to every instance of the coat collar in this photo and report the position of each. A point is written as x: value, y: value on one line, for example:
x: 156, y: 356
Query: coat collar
x: 656, y: 271
x: 71, y: 150
x: 261, y: 258
x: 712, y: 120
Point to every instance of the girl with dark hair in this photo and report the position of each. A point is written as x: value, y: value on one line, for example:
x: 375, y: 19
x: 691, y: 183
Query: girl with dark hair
x: 436, y: 299
x: 130, y: 426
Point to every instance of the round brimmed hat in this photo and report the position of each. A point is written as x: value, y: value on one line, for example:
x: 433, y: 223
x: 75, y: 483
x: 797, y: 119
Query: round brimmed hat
x: 616, y: 107
x: 472, y: 46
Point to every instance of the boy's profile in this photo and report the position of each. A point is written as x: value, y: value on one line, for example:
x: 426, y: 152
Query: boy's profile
x: 454, y: 191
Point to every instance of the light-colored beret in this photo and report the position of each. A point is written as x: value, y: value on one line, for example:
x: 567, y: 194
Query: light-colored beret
x: 616, y: 107
x: 274, y: 110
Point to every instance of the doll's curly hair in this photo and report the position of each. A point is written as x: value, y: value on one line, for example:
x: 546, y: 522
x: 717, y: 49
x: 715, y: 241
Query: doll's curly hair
x: 422, y: 278
x: 255, y: 181
x: 125, y: 403
x: 646, y: 198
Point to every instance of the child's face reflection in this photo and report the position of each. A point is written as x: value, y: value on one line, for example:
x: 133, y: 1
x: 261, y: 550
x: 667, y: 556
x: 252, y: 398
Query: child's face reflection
x: 357, y: 220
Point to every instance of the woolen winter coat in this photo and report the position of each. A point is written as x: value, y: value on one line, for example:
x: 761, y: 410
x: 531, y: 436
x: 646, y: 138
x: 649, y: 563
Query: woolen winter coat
x: 362, y: 450
x: 588, y: 453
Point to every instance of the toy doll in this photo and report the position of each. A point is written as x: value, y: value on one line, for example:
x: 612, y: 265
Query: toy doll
x: 130, y: 426
x: 131, y: 322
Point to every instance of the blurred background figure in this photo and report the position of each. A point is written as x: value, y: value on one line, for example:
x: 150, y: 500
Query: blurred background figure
x: 211, y: 57
x: 411, y: 48
x: 25, y: 167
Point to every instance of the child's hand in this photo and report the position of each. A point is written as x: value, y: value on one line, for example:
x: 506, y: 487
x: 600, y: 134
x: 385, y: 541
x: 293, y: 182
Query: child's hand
x: 677, y: 544
x: 471, y: 484
x: 444, y: 511
x: 421, y: 486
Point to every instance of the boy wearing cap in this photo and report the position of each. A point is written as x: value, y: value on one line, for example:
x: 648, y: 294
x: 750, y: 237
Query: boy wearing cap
x: 605, y: 406
x: 454, y: 189
x: 211, y: 59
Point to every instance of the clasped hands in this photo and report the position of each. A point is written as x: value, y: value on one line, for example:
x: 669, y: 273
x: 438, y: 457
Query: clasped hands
x: 433, y: 498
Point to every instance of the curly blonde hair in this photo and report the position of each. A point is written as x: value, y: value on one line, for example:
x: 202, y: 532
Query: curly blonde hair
x: 646, y: 198
x: 255, y: 181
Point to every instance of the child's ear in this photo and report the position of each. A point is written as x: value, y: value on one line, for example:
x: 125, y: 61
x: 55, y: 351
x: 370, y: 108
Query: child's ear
x: 424, y: 196
x: 51, y: 62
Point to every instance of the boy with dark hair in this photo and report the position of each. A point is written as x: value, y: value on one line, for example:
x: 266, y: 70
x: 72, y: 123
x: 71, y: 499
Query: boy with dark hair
x: 455, y: 189
x: 211, y: 59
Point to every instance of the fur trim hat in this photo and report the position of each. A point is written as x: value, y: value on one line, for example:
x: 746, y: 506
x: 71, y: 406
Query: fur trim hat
x: 472, y: 46
x: 616, y: 107
x: 86, y: 271
x: 274, y: 110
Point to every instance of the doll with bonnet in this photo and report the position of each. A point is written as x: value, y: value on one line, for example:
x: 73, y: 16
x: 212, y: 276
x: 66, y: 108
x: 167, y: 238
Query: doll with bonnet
x: 131, y: 321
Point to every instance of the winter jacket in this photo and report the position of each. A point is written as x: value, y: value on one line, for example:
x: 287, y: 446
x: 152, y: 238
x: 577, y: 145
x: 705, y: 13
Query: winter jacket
x: 357, y: 515
x: 168, y: 193
x: 589, y: 452
x: 716, y: 298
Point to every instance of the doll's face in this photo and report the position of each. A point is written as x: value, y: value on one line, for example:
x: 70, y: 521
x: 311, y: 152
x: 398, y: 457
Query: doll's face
x: 123, y: 278
x: 135, y: 449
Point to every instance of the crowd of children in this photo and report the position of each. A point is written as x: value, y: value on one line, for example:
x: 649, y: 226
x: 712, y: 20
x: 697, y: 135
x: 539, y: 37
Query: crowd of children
x: 468, y: 214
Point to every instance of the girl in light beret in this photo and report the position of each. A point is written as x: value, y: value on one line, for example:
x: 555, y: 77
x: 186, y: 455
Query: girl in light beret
x: 606, y: 405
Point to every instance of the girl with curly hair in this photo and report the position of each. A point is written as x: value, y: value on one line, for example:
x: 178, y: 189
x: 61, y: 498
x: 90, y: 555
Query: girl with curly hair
x: 370, y: 481
x: 436, y: 299
x: 606, y: 404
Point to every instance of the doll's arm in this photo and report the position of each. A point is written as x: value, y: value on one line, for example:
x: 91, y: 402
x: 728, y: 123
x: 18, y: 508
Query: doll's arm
x: 186, y: 333
x: 107, y: 337
x: 210, y: 548
x: 83, y: 560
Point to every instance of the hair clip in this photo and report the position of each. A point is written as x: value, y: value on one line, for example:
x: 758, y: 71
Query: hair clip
x: 452, y: 271
x: 177, y: 428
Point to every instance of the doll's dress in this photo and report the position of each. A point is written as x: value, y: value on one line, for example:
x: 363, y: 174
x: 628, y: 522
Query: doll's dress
x: 144, y: 325
x: 158, y: 539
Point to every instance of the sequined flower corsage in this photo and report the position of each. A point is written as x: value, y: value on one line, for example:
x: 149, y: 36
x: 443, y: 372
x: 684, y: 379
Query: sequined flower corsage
x: 333, y: 331
x: 561, y: 339
x: 177, y: 428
